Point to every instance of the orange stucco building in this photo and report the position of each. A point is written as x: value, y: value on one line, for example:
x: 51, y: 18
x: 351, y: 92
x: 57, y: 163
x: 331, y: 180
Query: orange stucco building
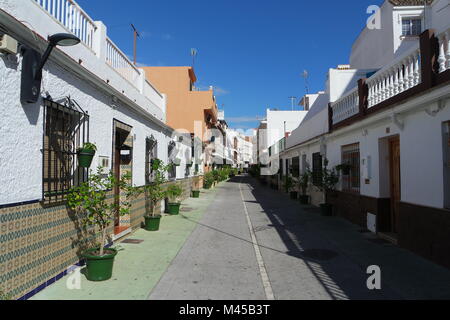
x: 185, y: 105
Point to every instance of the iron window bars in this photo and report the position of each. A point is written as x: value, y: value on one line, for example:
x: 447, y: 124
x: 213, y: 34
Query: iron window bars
x: 351, y: 156
x: 151, y: 153
x: 66, y: 128
x: 317, y: 169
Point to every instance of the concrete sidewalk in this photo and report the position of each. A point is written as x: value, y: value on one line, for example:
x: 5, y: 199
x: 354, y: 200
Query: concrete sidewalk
x: 138, y: 267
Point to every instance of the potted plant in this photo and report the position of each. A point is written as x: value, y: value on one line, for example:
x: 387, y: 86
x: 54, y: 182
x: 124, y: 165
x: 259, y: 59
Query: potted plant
x: 91, y: 201
x: 174, y: 193
x: 86, y: 154
x: 304, y: 183
x: 289, y: 186
x: 208, y: 180
x: 328, y: 185
x: 155, y: 193
x: 344, y: 168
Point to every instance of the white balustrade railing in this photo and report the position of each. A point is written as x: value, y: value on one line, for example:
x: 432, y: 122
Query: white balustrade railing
x: 346, y: 107
x: 72, y: 17
x: 444, y: 51
x: 401, y: 75
x: 120, y: 62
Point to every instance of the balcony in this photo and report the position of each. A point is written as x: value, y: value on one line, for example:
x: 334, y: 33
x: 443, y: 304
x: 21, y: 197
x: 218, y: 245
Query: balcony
x: 70, y: 16
x: 403, y: 78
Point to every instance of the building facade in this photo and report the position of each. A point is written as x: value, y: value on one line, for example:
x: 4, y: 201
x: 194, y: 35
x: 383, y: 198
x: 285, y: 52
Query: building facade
x: 391, y: 129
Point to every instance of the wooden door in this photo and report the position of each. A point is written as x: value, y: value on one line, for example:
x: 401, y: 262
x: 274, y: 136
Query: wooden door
x: 117, y: 175
x: 395, y: 181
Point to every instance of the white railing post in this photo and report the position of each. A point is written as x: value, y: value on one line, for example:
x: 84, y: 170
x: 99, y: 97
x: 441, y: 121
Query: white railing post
x: 99, y: 40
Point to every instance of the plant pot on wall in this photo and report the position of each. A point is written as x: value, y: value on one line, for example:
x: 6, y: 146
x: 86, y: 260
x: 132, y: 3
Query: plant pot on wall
x: 85, y: 157
x: 99, y: 268
x: 152, y: 223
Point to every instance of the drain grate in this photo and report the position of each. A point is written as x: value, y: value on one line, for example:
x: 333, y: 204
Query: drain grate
x: 133, y: 241
x: 320, y: 254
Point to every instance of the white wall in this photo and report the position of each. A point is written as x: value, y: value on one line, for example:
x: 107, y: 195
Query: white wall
x: 276, y: 124
x: 21, y: 126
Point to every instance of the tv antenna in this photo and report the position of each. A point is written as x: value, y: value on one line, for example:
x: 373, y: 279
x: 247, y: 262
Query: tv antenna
x: 136, y: 35
x: 193, y: 54
x: 293, y: 99
x: 305, y: 76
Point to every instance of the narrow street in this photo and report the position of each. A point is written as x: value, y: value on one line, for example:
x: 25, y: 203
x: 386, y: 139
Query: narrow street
x: 298, y: 254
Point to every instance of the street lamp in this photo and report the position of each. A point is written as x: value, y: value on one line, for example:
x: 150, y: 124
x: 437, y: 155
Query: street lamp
x: 33, y: 63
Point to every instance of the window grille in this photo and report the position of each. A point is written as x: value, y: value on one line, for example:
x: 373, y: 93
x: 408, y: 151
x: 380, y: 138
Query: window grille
x: 66, y: 128
x: 317, y: 169
x: 151, y: 153
x: 296, y: 167
x: 352, y: 181
x: 411, y: 27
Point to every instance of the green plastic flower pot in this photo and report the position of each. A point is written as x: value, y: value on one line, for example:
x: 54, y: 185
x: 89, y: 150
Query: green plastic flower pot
x: 85, y: 157
x: 99, y: 268
x: 174, y: 208
x: 207, y: 186
x: 326, y: 209
x: 304, y: 200
x: 196, y: 194
x: 152, y: 223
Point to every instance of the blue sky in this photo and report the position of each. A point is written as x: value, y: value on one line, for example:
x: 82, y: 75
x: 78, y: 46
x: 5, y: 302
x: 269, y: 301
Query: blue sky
x: 252, y: 52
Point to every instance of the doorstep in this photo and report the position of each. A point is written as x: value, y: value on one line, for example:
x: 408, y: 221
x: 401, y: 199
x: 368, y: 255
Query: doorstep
x: 389, y: 236
x: 120, y: 232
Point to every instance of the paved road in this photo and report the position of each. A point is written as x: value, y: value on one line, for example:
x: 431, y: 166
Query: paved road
x: 255, y: 243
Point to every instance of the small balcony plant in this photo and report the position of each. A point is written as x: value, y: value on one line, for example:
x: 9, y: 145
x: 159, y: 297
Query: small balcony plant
x: 304, y: 183
x: 330, y: 178
x: 85, y: 154
x: 94, y: 208
x: 174, y: 193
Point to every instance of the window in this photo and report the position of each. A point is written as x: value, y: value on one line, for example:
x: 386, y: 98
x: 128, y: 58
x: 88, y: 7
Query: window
x: 317, y: 169
x: 351, y: 180
x: 173, y: 169
x: 411, y: 26
x: 65, y: 130
x: 296, y: 167
x: 151, y: 153
x: 304, y: 164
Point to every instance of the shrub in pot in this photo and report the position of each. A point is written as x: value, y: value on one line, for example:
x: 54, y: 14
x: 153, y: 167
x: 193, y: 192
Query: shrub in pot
x: 208, y: 180
x: 329, y: 180
x: 174, y: 193
x: 290, y: 187
x: 86, y: 154
x: 94, y: 208
x: 304, y: 183
x: 155, y: 193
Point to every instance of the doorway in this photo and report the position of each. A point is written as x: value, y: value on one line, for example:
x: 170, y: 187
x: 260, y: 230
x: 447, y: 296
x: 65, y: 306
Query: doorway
x: 395, y: 181
x: 122, y: 164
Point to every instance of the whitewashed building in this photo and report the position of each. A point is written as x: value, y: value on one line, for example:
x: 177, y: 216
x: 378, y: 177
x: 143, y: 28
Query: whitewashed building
x: 90, y: 92
x: 391, y: 124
